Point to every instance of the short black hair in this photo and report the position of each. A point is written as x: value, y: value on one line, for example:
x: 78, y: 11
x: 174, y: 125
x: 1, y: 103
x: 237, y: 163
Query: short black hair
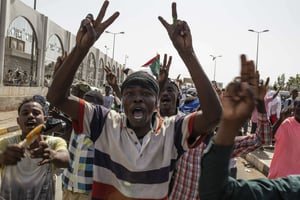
x: 31, y: 99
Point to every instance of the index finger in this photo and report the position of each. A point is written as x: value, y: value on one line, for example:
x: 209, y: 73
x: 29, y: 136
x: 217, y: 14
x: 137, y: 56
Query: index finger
x: 101, y: 14
x: 165, y: 60
x: 102, y: 11
x: 164, y: 22
x: 107, y: 69
x: 244, y: 67
x: 169, y: 62
x: 174, y: 12
x: 267, y: 82
x: 252, y: 78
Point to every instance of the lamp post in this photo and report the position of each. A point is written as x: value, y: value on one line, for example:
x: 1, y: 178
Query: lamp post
x: 126, y: 57
x: 34, y: 5
x: 106, y: 50
x: 32, y: 51
x: 114, y: 34
x: 214, y: 58
x: 257, y: 32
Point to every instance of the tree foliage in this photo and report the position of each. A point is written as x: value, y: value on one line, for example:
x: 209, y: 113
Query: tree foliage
x: 292, y: 82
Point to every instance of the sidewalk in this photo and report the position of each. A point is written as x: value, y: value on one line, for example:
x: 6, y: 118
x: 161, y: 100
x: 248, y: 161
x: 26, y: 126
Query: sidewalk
x: 261, y: 158
x: 8, y: 122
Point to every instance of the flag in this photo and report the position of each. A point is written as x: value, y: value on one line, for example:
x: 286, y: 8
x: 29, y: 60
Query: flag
x: 154, y: 65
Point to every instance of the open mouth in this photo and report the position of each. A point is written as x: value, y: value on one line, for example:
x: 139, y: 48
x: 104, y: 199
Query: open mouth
x: 165, y: 100
x: 138, y: 113
x: 30, y: 124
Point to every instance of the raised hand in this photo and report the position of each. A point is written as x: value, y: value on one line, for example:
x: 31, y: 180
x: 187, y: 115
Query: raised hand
x: 238, y: 99
x: 111, y: 78
x: 262, y: 89
x: 12, y: 155
x: 164, y: 70
x: 90, y: 29
x: 179, y: 32
x: 42, y: 150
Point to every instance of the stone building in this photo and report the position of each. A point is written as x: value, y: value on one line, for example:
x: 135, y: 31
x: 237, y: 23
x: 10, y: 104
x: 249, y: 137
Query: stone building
x: 30, y: 43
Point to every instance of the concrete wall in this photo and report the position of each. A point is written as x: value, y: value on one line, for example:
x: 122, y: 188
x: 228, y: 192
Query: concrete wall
x: 11, y: 96
x: 43, y: 27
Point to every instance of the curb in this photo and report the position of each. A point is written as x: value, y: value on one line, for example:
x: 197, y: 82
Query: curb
x: 257, y: 163
x: 3, y: 131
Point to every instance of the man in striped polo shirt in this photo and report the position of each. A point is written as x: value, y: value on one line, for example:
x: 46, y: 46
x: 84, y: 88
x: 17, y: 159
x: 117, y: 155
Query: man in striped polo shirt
x: 135, y: 151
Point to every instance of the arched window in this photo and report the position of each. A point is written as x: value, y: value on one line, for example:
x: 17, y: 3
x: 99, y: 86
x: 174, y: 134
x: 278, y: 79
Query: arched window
x: 91, y: 69
x: 20, y: 61
x: 54, y: 49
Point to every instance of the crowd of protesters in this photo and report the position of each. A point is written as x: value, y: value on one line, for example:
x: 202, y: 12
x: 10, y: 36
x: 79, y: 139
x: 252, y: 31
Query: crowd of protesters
x: 150, y: 138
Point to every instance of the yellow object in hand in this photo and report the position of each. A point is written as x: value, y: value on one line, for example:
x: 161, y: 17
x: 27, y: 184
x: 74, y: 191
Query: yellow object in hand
x: 33, y: 135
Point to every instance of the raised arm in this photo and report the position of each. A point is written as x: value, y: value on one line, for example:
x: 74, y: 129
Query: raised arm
x: 238, y: 102
x: 180, y: 35
x: 215, y: 182
x: 263, y: 134
x: 89, y: 31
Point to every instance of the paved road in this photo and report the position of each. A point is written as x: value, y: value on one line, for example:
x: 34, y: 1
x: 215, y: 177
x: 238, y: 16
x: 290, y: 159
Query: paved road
x: 8, y: 119
x: 247, y: 171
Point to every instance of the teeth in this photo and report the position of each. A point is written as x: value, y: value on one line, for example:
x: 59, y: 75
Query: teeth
x: 138, y: 114
x: 136, y: 117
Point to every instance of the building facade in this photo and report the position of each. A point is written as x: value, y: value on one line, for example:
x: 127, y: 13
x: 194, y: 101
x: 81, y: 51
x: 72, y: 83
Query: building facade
x: 29, y: 46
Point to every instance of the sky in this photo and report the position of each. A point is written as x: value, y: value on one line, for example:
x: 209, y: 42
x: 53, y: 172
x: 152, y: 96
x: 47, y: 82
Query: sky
x: 218, y: 27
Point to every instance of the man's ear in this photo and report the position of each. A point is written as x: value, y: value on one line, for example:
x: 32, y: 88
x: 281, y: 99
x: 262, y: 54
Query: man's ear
x: 18, y: 121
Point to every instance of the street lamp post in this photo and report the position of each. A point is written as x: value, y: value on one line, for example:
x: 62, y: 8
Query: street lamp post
x: 257, y: 44
x: 126, y: 57
x: 214, y: 58
x: 34, y: 5
x: 106, y: 50
x: 114, y: 34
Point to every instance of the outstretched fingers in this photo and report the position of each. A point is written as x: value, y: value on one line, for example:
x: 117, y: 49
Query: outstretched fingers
x: 164, y: 23
x: 244, y: 68
x: 267, y: 82
x: 174, y: 13
x: 102, y: 12
x: 167, y: 62
x: 101, y: 26
x: 248, y: 73
x: 107, y: 69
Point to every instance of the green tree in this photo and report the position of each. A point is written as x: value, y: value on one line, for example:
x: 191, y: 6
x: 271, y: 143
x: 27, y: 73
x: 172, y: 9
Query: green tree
x: 293, y: 82
x: 280, y: 82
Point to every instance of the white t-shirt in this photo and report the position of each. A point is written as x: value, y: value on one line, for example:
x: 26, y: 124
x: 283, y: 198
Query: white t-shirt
x: 27, y: 180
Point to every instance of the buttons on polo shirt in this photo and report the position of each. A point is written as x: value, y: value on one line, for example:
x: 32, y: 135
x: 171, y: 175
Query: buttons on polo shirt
x: 126, y: 183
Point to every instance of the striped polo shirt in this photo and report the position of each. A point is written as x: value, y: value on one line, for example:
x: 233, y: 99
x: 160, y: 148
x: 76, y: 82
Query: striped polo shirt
x: 124, y: 167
